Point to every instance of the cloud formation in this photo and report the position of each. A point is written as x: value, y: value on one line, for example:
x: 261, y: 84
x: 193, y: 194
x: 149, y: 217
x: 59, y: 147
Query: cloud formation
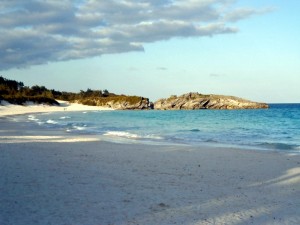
x: 40, y: 31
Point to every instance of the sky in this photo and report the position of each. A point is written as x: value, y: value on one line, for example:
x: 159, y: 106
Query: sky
x: 154, y: 49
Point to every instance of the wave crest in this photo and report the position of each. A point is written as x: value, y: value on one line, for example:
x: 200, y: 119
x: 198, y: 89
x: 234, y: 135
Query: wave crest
x: 128, y: 135
x: 51, y: 121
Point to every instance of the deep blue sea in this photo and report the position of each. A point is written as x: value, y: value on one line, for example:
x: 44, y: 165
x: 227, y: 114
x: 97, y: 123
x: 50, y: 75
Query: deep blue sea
x: 276, y: 128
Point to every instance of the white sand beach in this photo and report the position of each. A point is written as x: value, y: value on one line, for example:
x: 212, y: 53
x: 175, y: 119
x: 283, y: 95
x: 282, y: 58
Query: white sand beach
x: 57, y: 178
x: 7, y: 109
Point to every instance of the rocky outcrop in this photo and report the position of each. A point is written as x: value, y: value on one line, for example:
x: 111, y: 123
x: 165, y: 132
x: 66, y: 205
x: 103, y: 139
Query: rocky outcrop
x: 192, y: 101
x: 119, y: 102
x: 142, y: 104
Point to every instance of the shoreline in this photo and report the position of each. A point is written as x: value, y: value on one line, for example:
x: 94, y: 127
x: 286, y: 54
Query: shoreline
x: 58, y: 178
x: 11, y: 109
x: 11, y: 122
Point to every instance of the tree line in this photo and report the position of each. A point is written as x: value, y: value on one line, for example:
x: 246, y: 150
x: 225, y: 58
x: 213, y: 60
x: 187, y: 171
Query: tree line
x: 16, y: 92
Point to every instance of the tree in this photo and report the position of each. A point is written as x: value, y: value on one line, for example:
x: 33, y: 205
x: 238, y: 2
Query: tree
x: 38, y: 90
x: 105, y: 93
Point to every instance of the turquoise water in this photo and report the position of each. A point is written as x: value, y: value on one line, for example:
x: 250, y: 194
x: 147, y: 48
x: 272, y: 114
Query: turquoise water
x: 277, y: 128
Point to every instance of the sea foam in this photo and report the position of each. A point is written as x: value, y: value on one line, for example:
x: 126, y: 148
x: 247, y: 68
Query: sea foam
x: 51, y: 121
x: 121, y: 134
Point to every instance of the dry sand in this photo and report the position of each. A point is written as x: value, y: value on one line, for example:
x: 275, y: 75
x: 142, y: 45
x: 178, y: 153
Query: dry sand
x: 56, y: 178
x: 9, y: 109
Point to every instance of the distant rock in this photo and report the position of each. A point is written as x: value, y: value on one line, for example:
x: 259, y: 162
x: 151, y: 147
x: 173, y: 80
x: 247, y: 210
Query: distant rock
x: 194, y: 100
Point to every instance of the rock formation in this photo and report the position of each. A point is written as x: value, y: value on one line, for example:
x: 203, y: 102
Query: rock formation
x: 198, y: 101
x: 142, y: 104
x: 119, y: 102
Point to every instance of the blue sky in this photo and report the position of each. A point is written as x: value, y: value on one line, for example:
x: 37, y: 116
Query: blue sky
x: 155, y: 48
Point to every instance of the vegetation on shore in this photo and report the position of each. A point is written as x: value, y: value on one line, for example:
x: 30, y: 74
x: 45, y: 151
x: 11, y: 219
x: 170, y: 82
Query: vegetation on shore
x: 17, y: 93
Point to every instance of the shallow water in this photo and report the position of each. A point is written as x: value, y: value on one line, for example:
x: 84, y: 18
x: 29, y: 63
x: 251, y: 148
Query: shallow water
x: 277, y: 128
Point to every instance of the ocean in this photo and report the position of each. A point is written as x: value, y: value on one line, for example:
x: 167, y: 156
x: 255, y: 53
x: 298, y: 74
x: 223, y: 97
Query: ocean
x: 276, y: 128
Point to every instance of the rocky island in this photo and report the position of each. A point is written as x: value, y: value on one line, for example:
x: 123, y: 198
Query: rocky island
x: 194, y: 100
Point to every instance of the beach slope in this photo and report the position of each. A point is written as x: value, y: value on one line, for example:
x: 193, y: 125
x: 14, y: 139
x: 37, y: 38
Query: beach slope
x: 7, y: 109
x: 54, y: 178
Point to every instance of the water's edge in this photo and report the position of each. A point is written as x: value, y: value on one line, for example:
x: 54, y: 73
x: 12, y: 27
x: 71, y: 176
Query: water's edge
x: 275, y: 129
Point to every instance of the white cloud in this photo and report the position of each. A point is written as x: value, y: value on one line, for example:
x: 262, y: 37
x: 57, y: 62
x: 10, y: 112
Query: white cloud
x: 241, y: 13
x: 41, y: 31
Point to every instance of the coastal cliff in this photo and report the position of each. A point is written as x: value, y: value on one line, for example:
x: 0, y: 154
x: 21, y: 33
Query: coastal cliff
x: 120, y: 102
x: 15, y: 92
x: 195, y: 100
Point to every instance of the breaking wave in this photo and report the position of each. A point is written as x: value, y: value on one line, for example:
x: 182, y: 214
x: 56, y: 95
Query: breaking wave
x: 51, y: 122
x: 129, y: 135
